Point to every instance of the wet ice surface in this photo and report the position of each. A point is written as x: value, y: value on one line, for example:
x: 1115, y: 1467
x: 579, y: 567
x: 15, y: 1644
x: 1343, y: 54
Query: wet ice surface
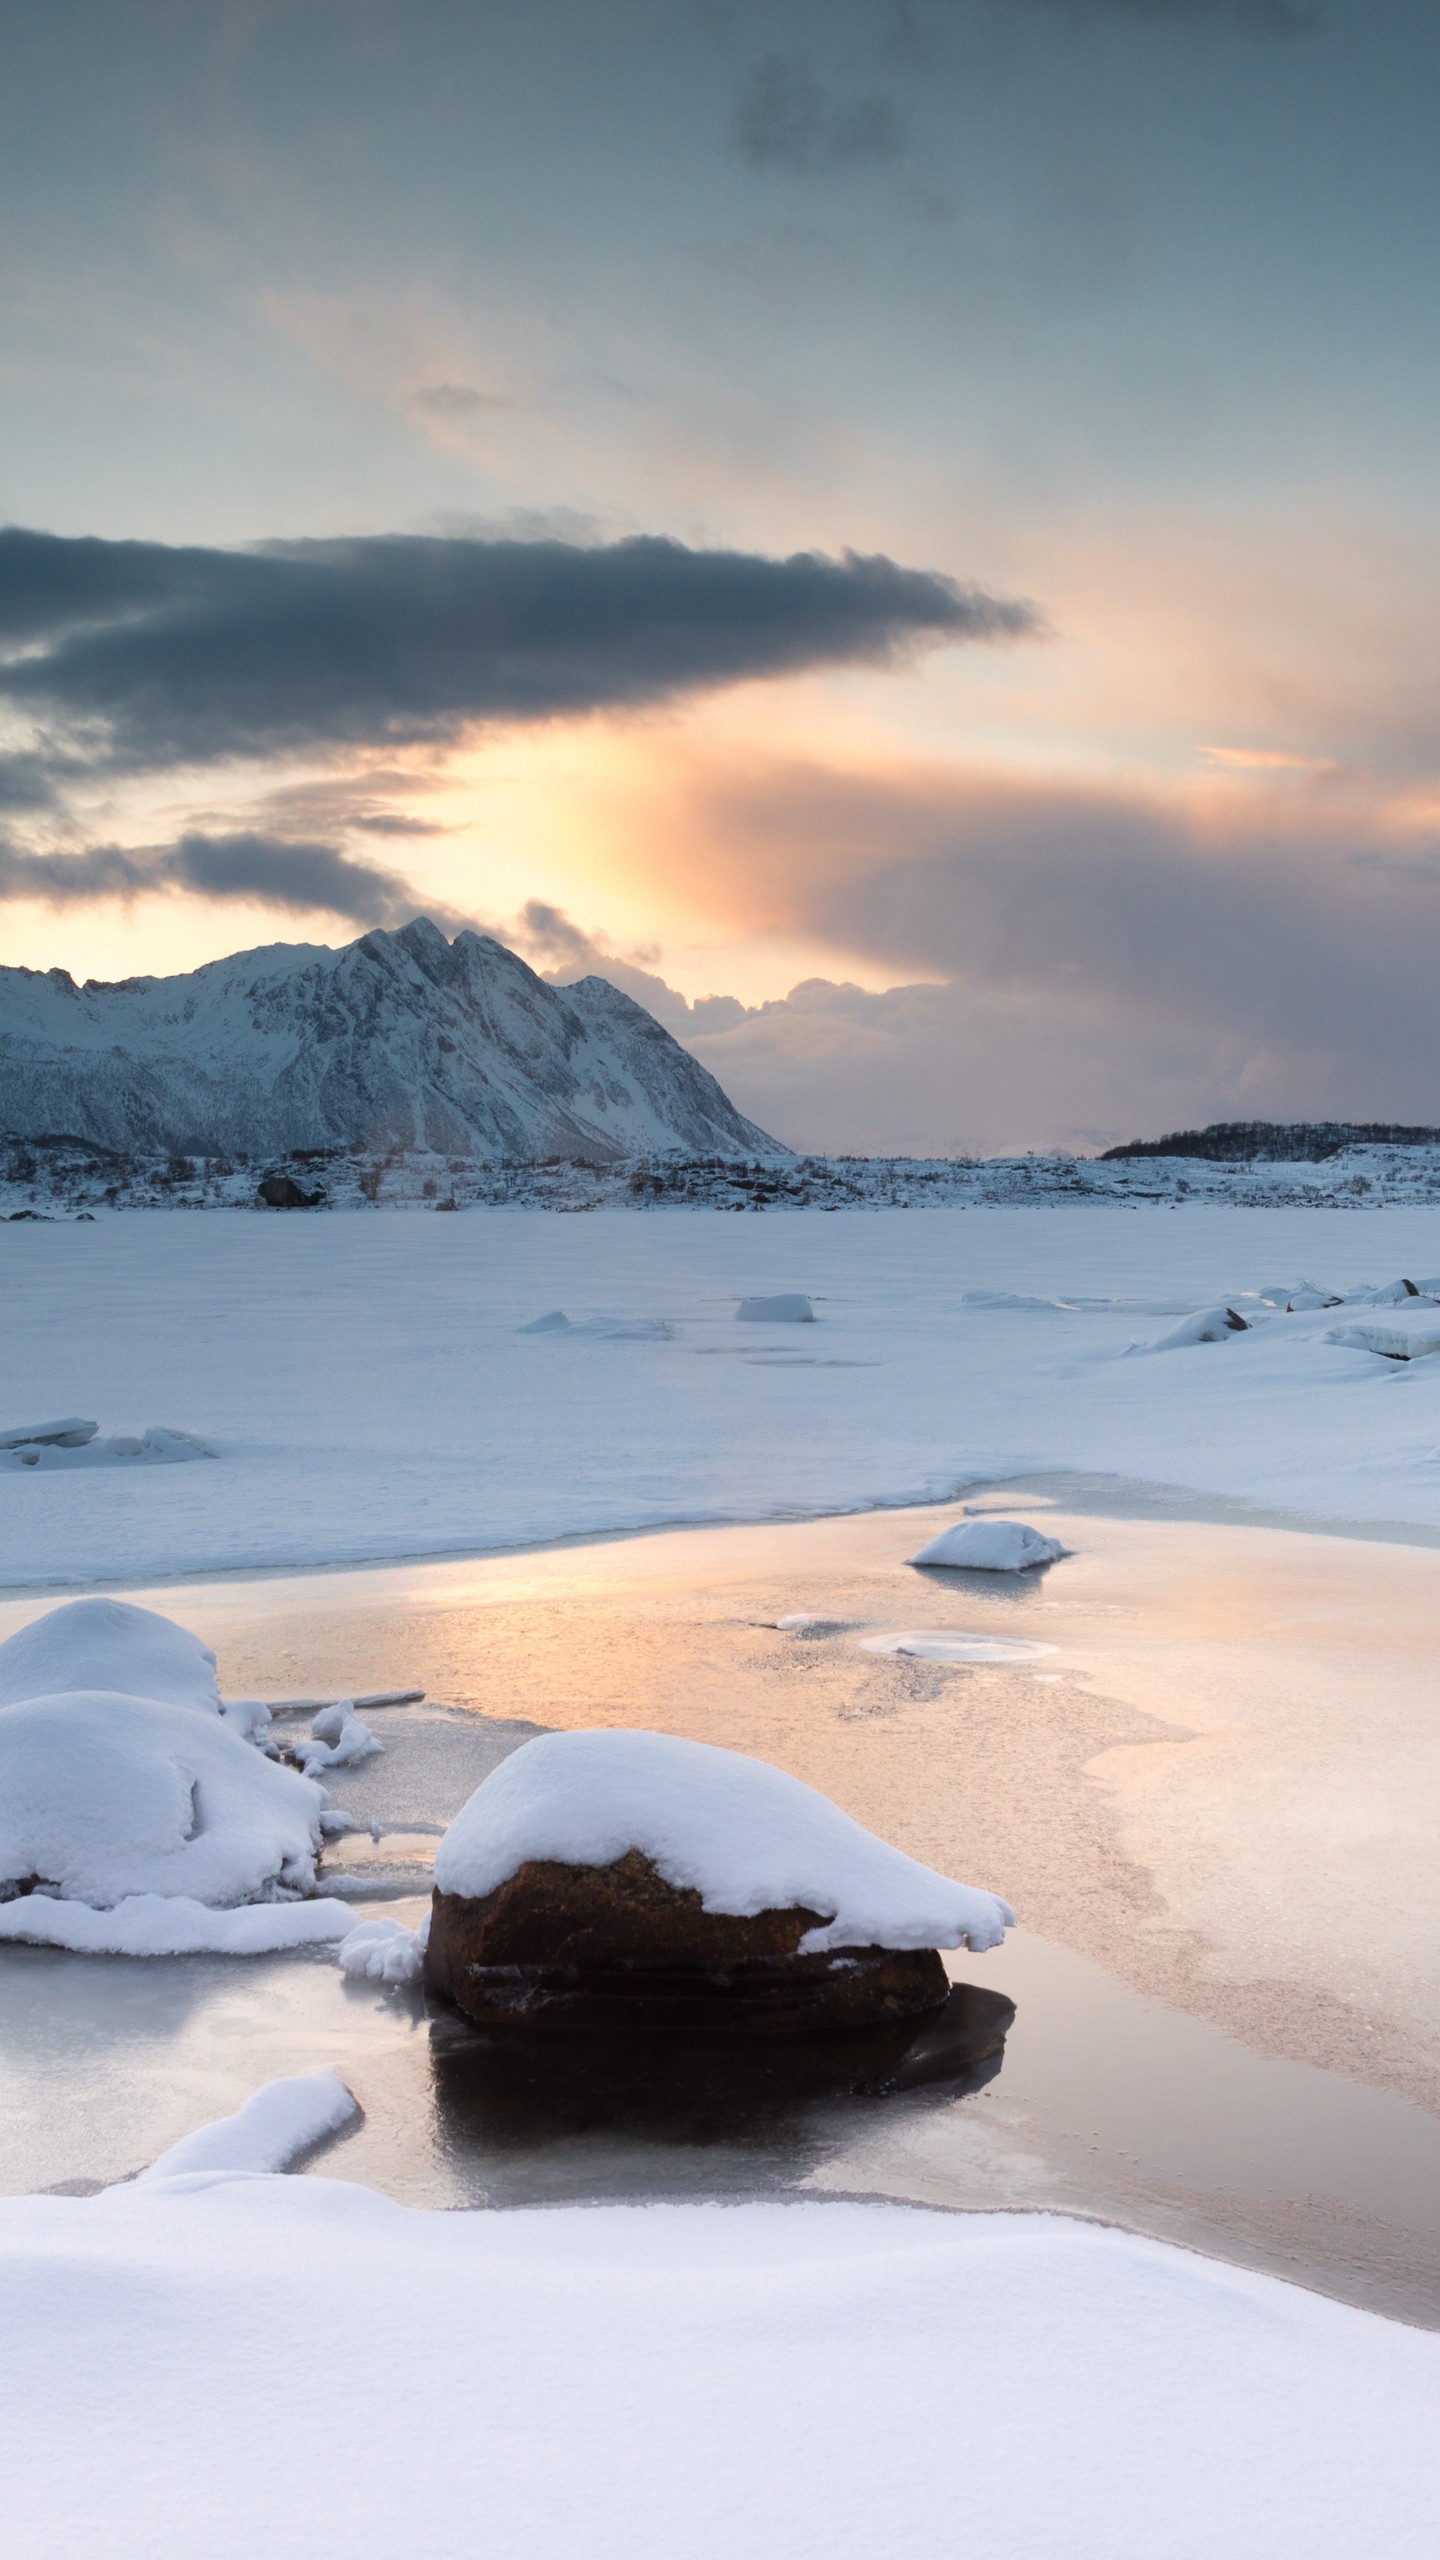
x: 1225, y: 1753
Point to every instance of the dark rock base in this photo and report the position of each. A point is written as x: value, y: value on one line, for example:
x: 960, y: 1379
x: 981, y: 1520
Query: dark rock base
x: 616, y: 1949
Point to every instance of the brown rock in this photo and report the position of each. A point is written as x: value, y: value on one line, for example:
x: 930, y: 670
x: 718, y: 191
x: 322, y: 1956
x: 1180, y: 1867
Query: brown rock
x: 617, y: 1946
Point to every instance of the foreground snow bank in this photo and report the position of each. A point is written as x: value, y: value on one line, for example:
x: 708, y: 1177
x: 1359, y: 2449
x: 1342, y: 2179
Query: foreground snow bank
x: 990, y: 1546
x: 274, y: 2127
x: 104, y: 1796
x: 745, y: 1837
x: 806, y: 2382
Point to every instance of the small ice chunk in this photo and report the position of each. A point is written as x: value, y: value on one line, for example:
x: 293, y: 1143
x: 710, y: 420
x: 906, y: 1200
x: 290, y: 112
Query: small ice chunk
x: 382, y: 1951
x: 338, y: 1740
x: 790, y: 1307
x: 990, y: 1546
x: 1213, y: 1324
x: 1413, y: 1341
x: 556, y: 1322
x: 159, y: 1441
x: 948, y: 1644
x: 282, y: 2120
x: 70, y: 1434
x: 1297, y: 1297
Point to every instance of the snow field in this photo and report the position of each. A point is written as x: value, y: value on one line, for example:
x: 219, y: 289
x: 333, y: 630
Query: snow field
x: 366, y: 1383
x: 806, y: 2382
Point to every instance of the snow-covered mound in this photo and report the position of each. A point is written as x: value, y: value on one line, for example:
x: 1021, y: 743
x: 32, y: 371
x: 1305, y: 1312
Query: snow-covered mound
x: 1212, y: 1324
x: 990, y: 1546
x: 103, y: 1796
x: 400, y: 1039
x: 747, y: 1838
x: 273, y: 2128
x: 171, y: 1924
x: 111, y: 1645
x: 1418, y: 1339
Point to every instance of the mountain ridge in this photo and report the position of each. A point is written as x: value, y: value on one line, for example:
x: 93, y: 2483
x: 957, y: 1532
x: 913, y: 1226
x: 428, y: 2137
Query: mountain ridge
x: 397, y: 1039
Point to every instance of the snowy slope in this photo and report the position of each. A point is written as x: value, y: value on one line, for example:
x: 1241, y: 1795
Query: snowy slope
x: 400, y: 1039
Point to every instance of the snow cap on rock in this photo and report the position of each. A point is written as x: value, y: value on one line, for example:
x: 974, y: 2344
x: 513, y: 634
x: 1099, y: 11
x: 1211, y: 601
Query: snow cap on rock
x: 744, y: 1836
x: 990, y: 1546
x: 112, y: 1645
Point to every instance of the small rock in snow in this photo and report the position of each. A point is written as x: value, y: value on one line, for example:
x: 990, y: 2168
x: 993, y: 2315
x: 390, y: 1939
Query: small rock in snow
x: 1213, y: 1324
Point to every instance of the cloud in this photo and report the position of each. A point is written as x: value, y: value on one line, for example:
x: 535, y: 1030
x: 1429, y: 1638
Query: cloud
x: 1263, y: 17
x: 785, y: 119
x: 147, y: 656
x: 450, y: 402
x: 296, y: 876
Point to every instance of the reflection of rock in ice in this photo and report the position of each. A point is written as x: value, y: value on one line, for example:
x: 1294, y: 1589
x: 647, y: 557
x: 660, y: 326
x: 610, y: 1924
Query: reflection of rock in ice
x: 1213, y: 1324
x: 790, y: 1307
x: 338, y: 1740
x: 990, y: 1546
x: 108, y: 1644
x: 946, y: 1644
x: 651, y: 1881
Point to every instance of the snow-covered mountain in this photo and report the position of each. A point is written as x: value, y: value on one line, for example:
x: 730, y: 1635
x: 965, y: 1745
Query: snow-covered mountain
x: 401, y: 1039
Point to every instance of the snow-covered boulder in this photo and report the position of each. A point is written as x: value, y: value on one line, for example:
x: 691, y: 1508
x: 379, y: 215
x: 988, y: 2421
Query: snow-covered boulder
x: 111, y: 1645
x: 790, y: 1307
x: 1297, y: 1297
x: 990, y: 1546
x: 72, y: 1433
x: 1213, y: 1324
x: 1398, y: 1340
x: 652, y: 1880
x: 104, y: 1796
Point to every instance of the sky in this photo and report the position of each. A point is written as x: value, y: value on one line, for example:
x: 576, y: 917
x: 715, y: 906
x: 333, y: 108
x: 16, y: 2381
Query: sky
x: 902, y: 531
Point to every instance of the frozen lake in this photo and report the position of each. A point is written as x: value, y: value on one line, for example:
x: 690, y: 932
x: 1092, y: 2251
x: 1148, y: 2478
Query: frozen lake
x: 1199, y: 1758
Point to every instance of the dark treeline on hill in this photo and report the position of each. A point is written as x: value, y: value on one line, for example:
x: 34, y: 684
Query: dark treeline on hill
x: 1275, y: 1141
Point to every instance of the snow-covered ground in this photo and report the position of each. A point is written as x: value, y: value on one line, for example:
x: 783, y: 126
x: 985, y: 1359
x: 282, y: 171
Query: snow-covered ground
x: 371, y: 1393
x: 217, y: 2363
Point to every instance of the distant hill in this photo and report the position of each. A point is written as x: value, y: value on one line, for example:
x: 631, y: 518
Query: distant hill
x: 399, y: 1040
x: 1275, y: 1141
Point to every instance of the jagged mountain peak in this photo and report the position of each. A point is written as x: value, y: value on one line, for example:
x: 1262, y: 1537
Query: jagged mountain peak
x: 400, y: 1038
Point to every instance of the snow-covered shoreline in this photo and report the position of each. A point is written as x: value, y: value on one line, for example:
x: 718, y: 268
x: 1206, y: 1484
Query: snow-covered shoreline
x: 372, y: 1397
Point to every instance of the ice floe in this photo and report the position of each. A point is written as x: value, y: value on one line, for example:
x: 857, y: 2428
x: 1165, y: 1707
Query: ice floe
x: 73, y: 1446
x: 789, y: 1307
x: 1415, y: 1340
x: 274, y: 2127
x: 171, y: 1924
x: 990, y: 1546
x: 743, y: 1835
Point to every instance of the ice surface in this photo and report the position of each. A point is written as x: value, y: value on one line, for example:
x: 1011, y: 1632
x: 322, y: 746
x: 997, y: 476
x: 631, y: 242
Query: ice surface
x: 949, y: 1644
x: 365, y: 1380
x: 382, y: 1951
x: 815, y: 2381
x: 990, y: 1546
x: 108, y: 1644
x: 104, y: 1796
x: 158, y: 1924
x: 789, y: 1307
x: 282, y: 2120
x: 744, y: 1836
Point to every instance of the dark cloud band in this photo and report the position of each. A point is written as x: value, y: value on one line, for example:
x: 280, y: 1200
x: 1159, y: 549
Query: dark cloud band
x: 159, y: 656
x: 296, y: 876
